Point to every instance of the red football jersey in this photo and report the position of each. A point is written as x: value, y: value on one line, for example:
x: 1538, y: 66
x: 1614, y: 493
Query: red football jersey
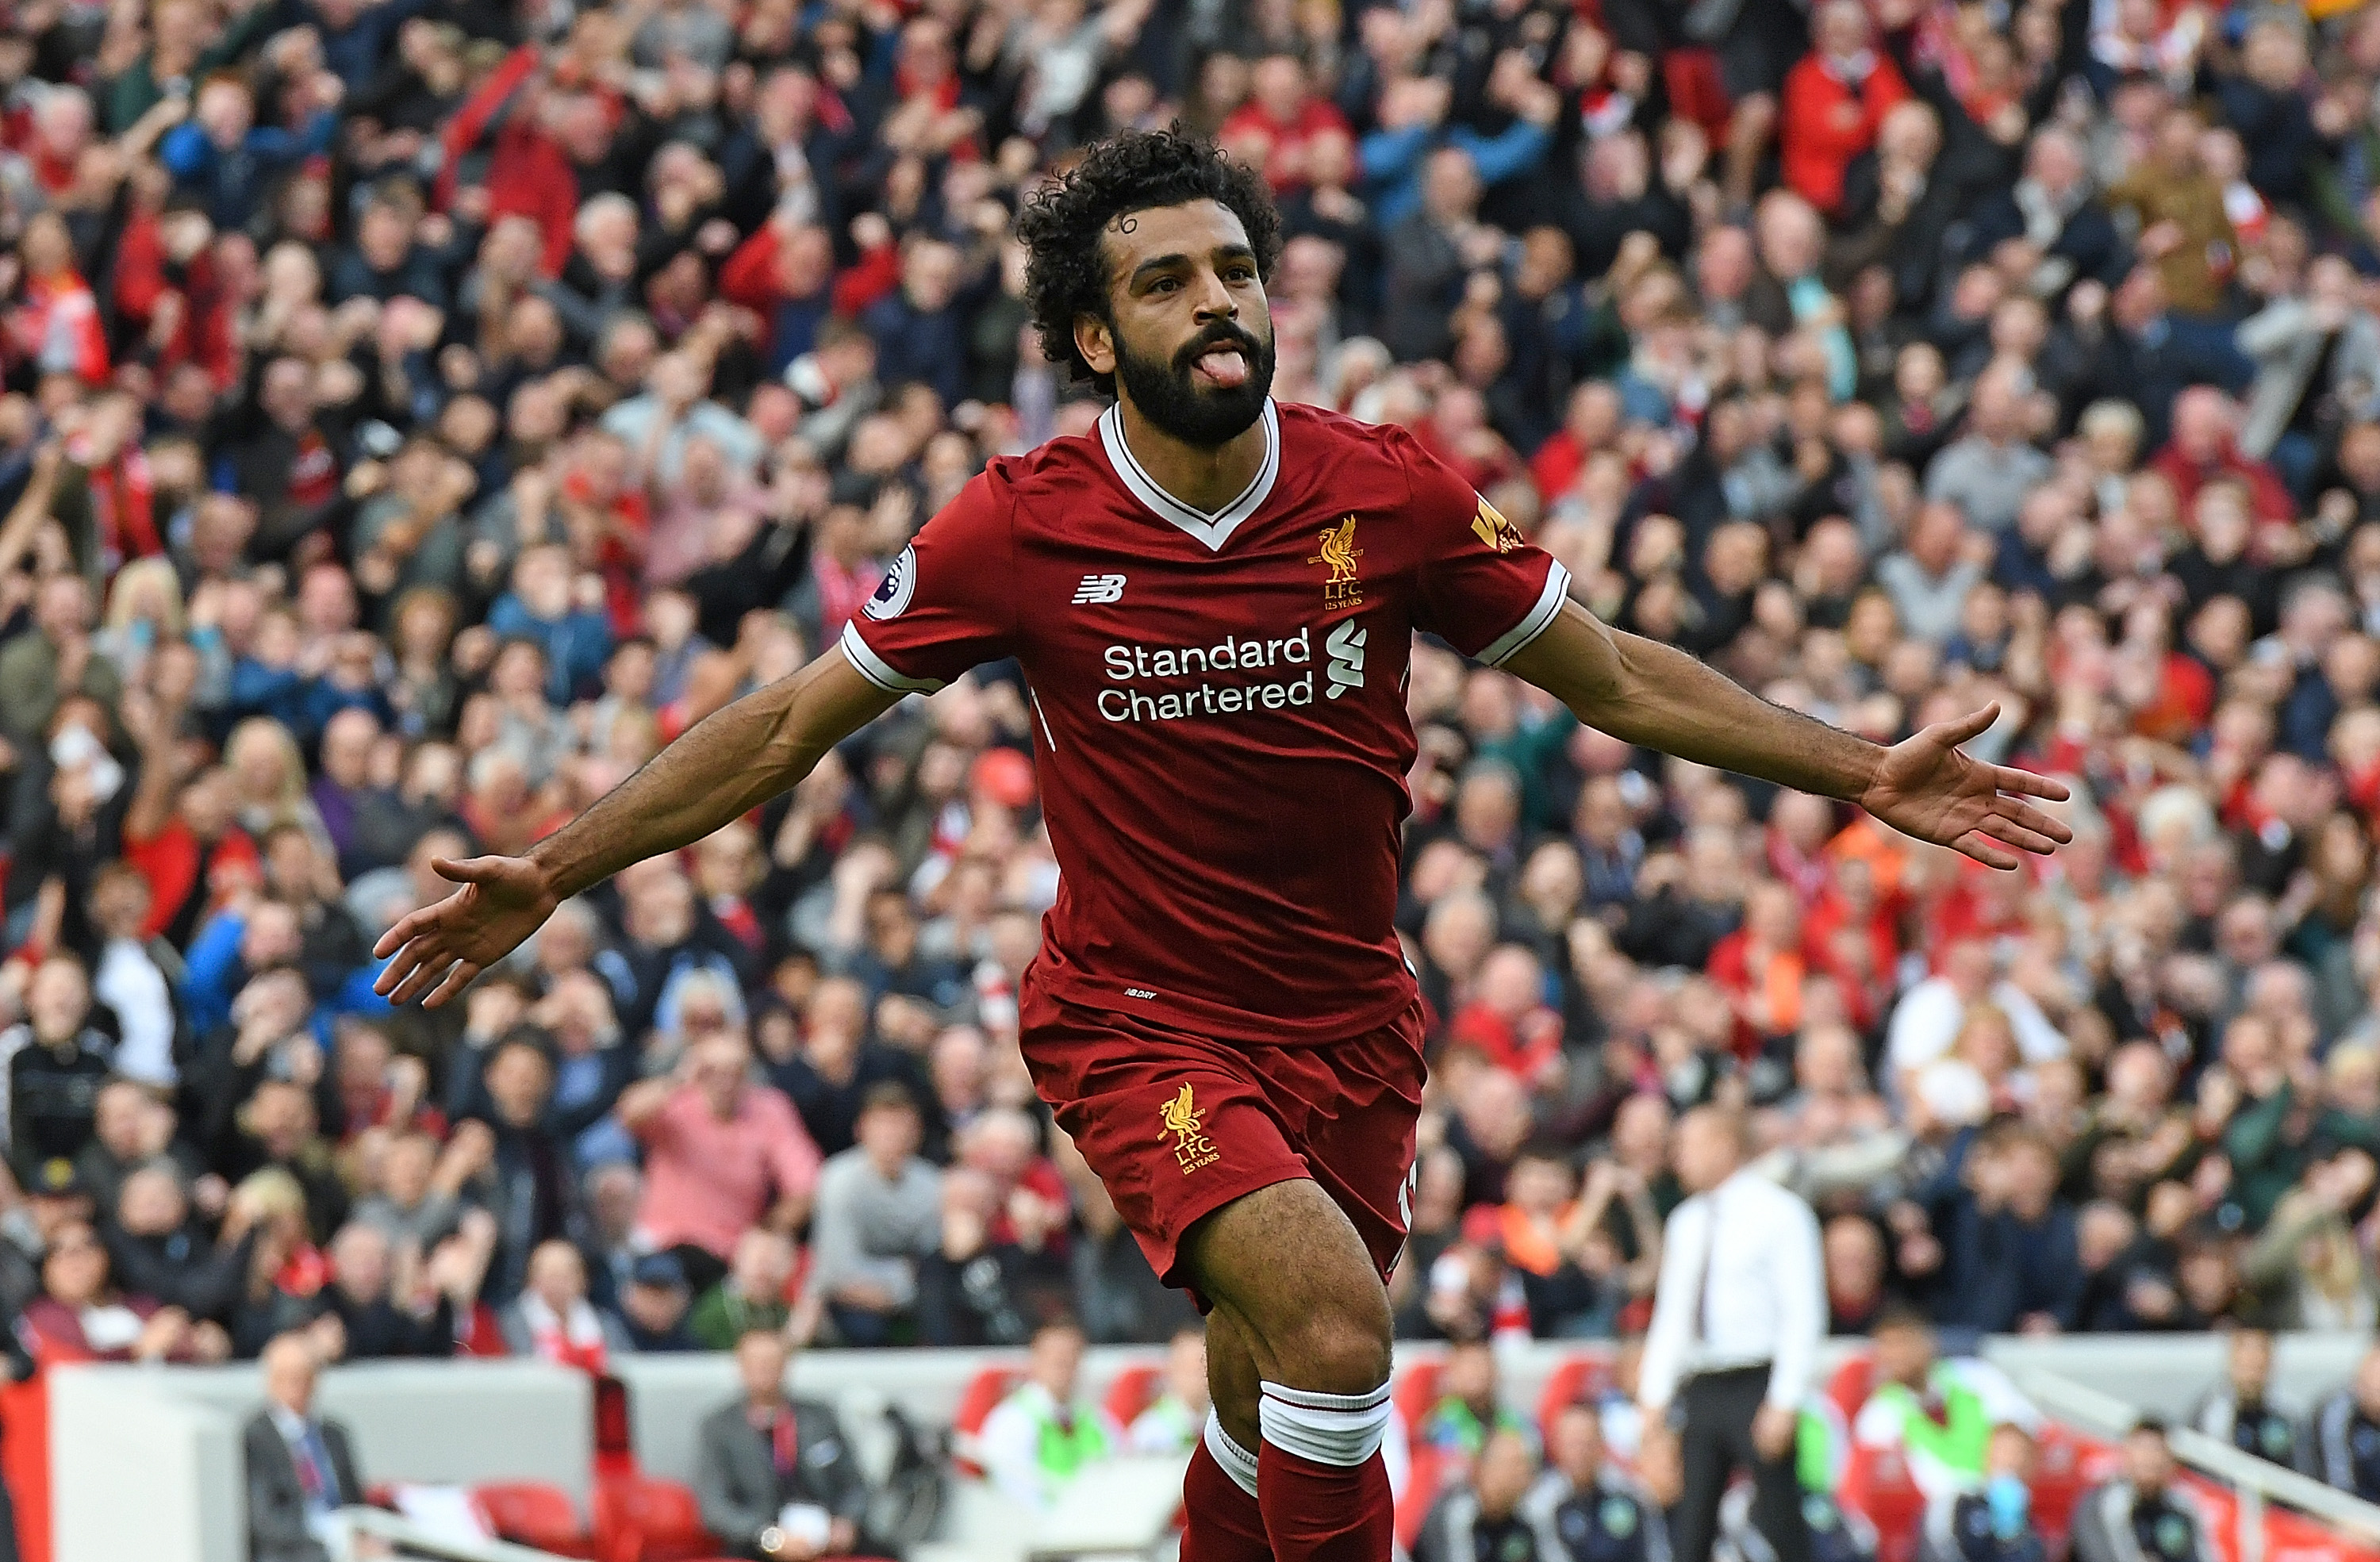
x: 1223, y: 742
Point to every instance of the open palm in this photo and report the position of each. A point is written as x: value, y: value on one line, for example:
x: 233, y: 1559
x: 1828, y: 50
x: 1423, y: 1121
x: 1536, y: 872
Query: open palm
x: 440, y: 948
x: 1927, y: 788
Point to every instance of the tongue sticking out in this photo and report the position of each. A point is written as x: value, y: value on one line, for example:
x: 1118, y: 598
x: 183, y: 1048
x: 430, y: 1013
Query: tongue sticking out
x: 1225, y: 365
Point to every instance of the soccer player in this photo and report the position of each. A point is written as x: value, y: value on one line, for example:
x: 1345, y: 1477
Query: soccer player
x: 1213, y: 597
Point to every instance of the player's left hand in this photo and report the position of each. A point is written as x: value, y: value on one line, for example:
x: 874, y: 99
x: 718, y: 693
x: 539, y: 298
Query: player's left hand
x: 1924, y: 787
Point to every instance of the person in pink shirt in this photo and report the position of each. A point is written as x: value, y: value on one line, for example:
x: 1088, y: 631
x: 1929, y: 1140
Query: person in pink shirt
x: 722, y: 1152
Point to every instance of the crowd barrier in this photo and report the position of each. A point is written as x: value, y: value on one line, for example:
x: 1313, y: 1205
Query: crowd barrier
x: 107, y: 1462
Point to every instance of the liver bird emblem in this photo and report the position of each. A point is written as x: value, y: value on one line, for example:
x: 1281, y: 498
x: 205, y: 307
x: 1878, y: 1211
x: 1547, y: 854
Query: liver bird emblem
x: 1181, y: 1116
x: 1339, y: 551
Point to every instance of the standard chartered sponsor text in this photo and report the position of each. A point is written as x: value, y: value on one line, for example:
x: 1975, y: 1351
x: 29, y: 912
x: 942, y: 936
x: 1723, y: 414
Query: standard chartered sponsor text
x: 1131, y: 665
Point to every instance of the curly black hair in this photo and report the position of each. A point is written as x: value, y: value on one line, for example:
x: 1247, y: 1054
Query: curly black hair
x: 1066, y: 267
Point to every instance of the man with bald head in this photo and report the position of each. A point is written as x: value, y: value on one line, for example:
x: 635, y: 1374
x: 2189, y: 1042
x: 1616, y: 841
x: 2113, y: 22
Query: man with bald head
x: 301, y: 1474
x: 1734, y: 1346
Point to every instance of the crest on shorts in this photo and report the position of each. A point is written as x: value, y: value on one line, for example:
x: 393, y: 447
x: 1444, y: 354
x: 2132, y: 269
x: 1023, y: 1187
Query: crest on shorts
x: 1181, y: 1118
x: 1340, y: 587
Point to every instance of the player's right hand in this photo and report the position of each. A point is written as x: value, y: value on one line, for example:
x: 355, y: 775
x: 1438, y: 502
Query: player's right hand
x: 440, y: 949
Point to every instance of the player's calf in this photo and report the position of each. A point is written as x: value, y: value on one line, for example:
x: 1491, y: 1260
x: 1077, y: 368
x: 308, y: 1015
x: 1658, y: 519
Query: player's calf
x: 1291, y: 1278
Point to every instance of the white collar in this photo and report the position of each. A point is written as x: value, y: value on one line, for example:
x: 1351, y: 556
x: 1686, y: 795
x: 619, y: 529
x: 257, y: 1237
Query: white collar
x: 292, y: 1426
x: 1213, y: 530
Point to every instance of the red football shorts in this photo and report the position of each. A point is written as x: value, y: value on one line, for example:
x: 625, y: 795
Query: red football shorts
x: 1177, y: 1125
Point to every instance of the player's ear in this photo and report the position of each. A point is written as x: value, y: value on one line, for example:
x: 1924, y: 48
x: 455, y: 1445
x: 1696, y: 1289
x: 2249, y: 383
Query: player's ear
x: 1094, y: 339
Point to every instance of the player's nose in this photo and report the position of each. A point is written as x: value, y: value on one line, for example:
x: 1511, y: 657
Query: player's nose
x: 1215, y: 300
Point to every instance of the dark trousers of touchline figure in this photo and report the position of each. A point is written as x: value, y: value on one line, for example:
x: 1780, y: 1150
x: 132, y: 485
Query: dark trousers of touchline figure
x: 1714, y: 1442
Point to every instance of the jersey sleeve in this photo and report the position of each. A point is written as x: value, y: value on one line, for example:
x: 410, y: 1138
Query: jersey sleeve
x: 947, y: 602
x: 1483, y: 588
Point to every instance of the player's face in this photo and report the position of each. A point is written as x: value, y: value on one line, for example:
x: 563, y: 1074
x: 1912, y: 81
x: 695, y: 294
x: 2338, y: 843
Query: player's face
x: 1189, y: 337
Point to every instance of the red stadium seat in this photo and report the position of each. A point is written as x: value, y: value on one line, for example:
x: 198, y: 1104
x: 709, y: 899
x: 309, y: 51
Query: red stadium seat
x: 1423, y: 1481
x: 1134, y: 1389
x: 1877, y: 1484
x: 2068, y: 1465
x: 616, y: 1452
x: 533, y: 1513
x: 1417, y: 1394
x: 982, y: 1395
x: 1850, y: 1385
x: 1579, y: 1379
x: 643, y: 1519
x: 2293, y: 1537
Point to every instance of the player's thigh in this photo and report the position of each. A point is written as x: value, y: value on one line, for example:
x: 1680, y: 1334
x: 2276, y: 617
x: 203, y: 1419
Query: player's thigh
x: 1287, y: 1263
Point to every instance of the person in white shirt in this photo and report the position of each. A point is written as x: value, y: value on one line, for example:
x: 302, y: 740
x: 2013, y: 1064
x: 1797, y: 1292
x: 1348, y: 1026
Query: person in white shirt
x: 1925, y: 1023
x: 130, y: 978
x: 1736, y: 1324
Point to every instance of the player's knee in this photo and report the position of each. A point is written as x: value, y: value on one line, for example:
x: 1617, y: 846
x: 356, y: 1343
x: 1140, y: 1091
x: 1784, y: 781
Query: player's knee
x: 1337, y: 1348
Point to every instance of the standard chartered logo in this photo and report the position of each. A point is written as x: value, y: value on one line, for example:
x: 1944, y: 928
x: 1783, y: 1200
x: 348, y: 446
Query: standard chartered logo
x: 1171, y: 682
x: 1347, y: 648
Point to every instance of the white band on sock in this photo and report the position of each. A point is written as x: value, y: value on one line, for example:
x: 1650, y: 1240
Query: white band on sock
x: 1237, y: 1463
x: 1341, y: 1429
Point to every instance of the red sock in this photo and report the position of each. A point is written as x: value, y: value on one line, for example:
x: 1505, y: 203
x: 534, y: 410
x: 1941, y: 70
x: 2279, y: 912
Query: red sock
x: 1221, y: 1522
x: 1317, y: 1512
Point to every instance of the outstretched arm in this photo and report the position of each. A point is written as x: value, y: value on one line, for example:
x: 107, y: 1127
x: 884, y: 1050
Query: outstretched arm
x: 1656, y: 696
x: 727, y: 765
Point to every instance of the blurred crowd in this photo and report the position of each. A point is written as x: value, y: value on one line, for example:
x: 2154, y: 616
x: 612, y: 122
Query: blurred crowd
x: 417, y: 411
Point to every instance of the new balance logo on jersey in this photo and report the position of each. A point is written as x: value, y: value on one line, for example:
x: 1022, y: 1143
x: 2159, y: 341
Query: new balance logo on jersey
x: 1099, y: 588
x: 1347, y: 648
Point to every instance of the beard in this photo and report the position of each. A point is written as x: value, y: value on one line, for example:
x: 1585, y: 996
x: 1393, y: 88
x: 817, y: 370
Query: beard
x: 1168, y: 394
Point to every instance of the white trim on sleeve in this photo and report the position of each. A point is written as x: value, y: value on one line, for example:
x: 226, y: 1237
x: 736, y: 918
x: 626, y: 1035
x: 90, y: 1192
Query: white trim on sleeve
x: 1533, y: 623
x: 879, y: 671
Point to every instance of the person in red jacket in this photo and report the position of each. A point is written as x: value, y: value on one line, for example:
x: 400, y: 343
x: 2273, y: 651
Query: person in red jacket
x: 56, y: 324
x: 2206, y: 447
x: 1835, y: 100
x: 527, y: 172
x: 1281, y: 118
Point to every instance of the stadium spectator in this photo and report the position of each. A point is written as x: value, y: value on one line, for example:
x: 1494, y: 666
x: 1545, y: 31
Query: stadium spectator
x: 81, y: 1316
x: 776, y: 1475
x: 2239, y: 1412
x: 2144, y: 1511
x: 879, y: 1214
x: 157, y: 1247
x: 751, y: 1295
x: 55, y: 1063
x: 1996, y: 1523
x: 2343, y: 1432
x: 656, y: 1304
x: 1487, y: 1513
x: 553, y: 1320
x: 722, y: 1152
x: 1588, y: 1504
x: 1175, y: 1419
x: 1835, y: 101
x: 1039, y: 1439
x: 300, y: 1472
x: 1938, y: 1414
x: 1469, y: 1407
